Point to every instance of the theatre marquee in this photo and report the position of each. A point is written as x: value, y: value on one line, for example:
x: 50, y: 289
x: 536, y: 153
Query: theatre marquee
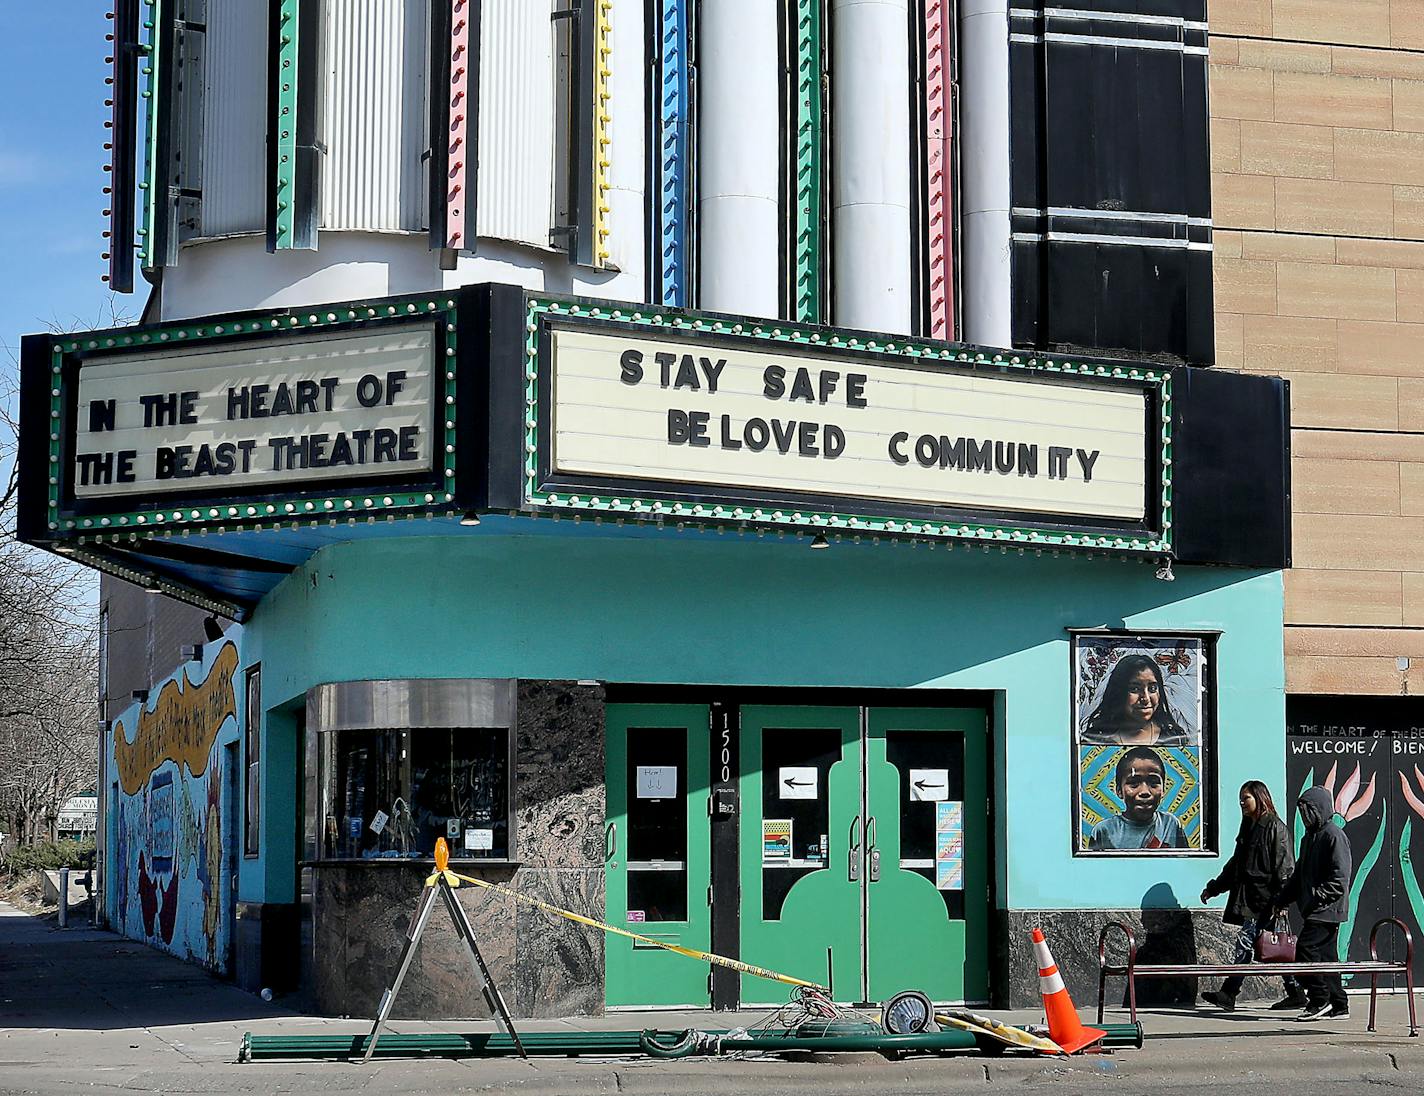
x: 665, y: 416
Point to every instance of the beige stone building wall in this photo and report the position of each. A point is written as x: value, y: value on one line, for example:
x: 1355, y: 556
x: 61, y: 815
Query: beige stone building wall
x: 1317, y: 135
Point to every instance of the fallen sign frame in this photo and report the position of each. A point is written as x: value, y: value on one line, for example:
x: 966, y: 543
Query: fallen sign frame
x: 1374, y: 967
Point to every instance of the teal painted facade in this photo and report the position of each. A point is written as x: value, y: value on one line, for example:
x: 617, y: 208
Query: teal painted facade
x: 527, y: 600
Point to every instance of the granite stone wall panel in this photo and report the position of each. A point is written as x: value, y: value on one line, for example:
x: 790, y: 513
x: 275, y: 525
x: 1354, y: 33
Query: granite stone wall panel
x: 559, y: 965
x: 1168, y: 935
x: 357, y: 949
x: 559, y: 791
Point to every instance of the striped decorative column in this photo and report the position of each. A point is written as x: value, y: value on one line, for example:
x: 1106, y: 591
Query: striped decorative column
x: 739, y: 157
x: 870, y: 75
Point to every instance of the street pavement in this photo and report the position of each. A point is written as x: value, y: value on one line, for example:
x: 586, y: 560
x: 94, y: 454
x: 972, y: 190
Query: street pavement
x: 89, y: 1011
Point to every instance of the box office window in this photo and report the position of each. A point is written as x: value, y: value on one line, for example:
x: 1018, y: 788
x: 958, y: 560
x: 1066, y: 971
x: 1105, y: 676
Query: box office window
x: 390, y: 794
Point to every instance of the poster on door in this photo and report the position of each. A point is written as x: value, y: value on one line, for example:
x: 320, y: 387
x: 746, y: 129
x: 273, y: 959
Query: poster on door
x: 775, y: 840
x: 1140, y: 714
x: 949, y: 846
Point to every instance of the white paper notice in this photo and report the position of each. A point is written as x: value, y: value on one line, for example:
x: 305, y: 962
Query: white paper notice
x: 379, y: 822
x: 656, y: 781
x: 479, y: 839
x: 797, y: 782
x: 929, y: 785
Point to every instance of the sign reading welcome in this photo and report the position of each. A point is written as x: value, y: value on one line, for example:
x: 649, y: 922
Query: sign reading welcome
x: 715, y: 414
x: 308, y: 408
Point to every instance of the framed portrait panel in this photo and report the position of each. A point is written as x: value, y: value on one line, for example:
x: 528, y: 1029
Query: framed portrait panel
x: 1143, y: 732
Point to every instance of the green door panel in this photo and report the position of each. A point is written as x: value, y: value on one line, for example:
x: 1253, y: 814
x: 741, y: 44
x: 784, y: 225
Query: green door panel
x: 794, y: 907
x: 657, y: 864
x: 919, y: 936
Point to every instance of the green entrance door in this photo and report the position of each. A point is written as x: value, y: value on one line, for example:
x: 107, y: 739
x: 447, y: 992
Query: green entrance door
x: 926, y: 880
x: 863, y: 851
x: 657, y: 852
x: 801, y: 848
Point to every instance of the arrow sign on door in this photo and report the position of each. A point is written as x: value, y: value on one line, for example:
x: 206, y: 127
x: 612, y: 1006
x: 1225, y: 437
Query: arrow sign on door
x: 797, y: 782
x: 929, y: 785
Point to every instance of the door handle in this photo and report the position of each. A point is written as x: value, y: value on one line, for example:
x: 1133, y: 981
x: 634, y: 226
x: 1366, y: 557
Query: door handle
x: 853, y: 852
x: 610, y: 841
x: 871, y: 851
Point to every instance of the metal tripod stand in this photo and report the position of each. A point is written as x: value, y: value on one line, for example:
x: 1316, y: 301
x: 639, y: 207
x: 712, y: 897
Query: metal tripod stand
x: 467, y: 936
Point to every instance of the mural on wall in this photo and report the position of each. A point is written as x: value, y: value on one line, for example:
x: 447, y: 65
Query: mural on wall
x: 1368, y: 752
x: 1139, y: 715
x: 168, y: 828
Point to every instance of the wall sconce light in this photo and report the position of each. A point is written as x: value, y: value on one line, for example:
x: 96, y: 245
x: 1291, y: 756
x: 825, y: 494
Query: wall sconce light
x: 819, y: 541
x: 141, y: 695
x: 212, y: 630
x: 471, y: 518
x: 193, y: 652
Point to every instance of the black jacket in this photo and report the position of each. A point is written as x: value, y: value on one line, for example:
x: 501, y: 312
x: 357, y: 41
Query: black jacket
x: 1320, y: 884
x: 1257, y: 870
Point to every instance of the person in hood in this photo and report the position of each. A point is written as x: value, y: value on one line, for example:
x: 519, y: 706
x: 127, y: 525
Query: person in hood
x: 1256, y: 872
x: 1320, y: 888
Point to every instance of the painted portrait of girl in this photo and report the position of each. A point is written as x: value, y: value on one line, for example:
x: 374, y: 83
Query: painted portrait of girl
x: 1135, y: 708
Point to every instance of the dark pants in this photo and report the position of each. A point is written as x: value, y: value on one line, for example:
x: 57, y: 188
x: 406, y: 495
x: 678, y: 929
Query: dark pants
x: 1318, y: 944
x: 1246, y: 953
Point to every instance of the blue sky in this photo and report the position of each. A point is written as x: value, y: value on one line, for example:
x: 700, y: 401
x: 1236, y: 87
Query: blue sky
x: 52, y: 176
x: 52, y: 154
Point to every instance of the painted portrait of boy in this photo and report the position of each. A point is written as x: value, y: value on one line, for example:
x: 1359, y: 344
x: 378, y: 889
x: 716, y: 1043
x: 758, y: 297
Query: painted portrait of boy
x: 1140, y: 781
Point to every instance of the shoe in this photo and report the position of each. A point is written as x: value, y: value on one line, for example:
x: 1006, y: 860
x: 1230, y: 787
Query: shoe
x: 1338, y: 1012
x: 1220, y: 1000
x: 1315, y: 1012
x: 1288, y: 1004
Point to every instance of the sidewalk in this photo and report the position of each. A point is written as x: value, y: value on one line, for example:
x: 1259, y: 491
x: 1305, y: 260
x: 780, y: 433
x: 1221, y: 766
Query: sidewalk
x: 80, y: 1007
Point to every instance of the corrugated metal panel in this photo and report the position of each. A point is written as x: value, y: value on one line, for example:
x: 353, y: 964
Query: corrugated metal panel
x: 374, y: 114
x: 234, y: 119
x: 516, y: 126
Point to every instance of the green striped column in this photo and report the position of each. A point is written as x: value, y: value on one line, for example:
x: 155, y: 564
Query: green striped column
x: 808, y: 247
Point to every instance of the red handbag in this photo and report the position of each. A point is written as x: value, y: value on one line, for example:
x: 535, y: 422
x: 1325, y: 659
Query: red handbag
x: 1276, y: 944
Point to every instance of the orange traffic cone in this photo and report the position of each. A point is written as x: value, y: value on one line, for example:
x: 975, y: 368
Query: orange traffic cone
x: 1064, y: 1027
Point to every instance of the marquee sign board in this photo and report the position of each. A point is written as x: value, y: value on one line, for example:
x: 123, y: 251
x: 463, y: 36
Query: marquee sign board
x: 689, y: 418
x: 234, y: 421
x: 734, y: 418
x: 299, y: 411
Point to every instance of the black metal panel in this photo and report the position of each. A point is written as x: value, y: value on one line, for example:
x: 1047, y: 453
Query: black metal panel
x: 1026, y: 124
x: 32, y: 512
x: 309, y: 155
x: 162, y: 249
x: 1110, y: 132
x: 506, y: 411
x: 1192, y: 10
x: 1231, y: 485
x: 1115, y: 136
x: 584, y: 154
x: 123, y: 142
x: 1027, y: 289
x: 726, y: 881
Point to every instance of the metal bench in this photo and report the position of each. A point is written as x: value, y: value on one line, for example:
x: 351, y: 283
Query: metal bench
x: 1374, y: 967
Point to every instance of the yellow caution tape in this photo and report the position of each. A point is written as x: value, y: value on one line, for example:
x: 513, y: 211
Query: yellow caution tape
x: 454, y: 879
x: 970, y: 1021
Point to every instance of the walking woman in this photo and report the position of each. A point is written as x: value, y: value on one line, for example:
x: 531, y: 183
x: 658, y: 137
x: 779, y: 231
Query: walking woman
x: 1256, y: 871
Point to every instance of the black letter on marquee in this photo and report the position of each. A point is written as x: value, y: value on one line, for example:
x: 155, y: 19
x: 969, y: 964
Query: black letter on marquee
x: 630, y: 366
x: 101, y: 415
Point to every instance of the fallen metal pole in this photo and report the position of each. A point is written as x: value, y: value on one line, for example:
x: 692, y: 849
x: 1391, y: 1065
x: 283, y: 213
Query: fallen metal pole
x: 661, y: 1044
